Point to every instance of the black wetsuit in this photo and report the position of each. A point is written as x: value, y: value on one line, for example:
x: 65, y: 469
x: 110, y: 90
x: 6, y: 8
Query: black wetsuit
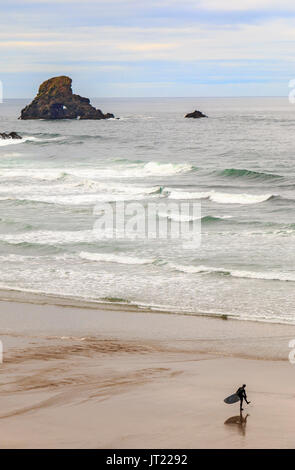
x: 241, y: 392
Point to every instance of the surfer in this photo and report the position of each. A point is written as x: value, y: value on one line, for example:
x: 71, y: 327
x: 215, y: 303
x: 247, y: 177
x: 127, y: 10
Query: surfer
x: 241, y: 392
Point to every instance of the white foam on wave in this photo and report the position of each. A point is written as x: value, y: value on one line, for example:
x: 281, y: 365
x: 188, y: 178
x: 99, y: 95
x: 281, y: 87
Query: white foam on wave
x: 72, y: 199
x: 178, y: 217
x: 175, y: 194
x: 67, y: 190
x: 86, y: 199
x: 113, y: 258
x: 25, y: 179
x: 224, y: 198
x: 221, y: 198
x: 12, y: 258
x: 133, y: 170
x: 49, y: 174
x: 190, y: 269
x: 11, y: 155
x: 270, y: 276
x: 6, y: 142
x: 127, y: 170
x: 88, y: 185
x: 280, y: 233
x: 50, y: 237
x: 26, y: 138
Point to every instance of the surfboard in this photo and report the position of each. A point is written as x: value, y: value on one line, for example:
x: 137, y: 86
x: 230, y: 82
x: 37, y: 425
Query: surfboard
x: 232, y: 399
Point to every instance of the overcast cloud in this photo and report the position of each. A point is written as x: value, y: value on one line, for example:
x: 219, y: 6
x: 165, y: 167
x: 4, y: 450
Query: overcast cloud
x: 149, y: 48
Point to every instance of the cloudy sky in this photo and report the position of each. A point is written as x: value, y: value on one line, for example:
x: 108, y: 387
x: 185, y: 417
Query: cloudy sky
x: 149, y: 47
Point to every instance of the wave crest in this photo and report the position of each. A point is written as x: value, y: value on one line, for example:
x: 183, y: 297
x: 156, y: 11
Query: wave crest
x: 242, y: 172
x: 112, y: 258
x: 268, y: 276
x: 221, y: 198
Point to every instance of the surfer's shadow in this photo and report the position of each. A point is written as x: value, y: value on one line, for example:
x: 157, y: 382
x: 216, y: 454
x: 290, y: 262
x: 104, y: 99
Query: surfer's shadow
x: 239, y: 422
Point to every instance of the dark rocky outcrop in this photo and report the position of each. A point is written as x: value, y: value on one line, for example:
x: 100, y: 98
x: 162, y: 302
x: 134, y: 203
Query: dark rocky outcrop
x: 196, y: 114
x: 55, y: 100
x: 11, y: 135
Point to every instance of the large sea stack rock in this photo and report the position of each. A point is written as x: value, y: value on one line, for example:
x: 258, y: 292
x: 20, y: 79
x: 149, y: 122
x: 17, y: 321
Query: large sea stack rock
x: 196, y: 115
x: 11, y: 135
x: 55, y: 100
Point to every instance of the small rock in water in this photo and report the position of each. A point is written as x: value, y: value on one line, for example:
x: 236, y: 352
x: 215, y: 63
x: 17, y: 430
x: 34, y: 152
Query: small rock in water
x: 196, y: 114
x: 11, y: 135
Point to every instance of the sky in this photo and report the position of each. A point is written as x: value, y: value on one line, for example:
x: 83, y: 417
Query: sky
x: 149, y: 48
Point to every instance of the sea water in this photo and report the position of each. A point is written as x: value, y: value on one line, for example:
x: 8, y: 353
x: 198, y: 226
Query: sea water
x: 238, y: 164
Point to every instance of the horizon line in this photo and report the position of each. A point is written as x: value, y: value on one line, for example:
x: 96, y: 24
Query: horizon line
x: 162, y: 97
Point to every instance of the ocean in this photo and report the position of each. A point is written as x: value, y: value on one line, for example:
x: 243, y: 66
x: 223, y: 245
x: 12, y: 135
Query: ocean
x: 238, y: 164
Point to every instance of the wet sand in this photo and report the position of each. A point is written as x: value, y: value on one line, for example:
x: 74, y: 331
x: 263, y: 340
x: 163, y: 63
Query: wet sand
x: 105, y: 376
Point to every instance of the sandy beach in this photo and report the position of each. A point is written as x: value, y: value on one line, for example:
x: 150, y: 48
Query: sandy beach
x: 107, y: 376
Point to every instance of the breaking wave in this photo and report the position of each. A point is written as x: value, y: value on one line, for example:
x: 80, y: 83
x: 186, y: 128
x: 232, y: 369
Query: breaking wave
x: 112, y: 258
x: 26, y: 138
x: 127, y: 170
x: 270, y: 276
x: 222, y: 198
x: 134, y: 170
x: 50, y: 237
x: 187, y: 218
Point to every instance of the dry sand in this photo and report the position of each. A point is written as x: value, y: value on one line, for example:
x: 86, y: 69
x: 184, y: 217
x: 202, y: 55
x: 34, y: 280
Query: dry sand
x: 100, y: 376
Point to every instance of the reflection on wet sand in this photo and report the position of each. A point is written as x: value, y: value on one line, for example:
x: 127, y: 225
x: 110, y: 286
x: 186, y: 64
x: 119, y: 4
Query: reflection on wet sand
x: 240, y: 421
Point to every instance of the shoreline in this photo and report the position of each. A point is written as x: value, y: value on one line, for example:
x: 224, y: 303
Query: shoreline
x: 272, y: 339
x: 40, y: 298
